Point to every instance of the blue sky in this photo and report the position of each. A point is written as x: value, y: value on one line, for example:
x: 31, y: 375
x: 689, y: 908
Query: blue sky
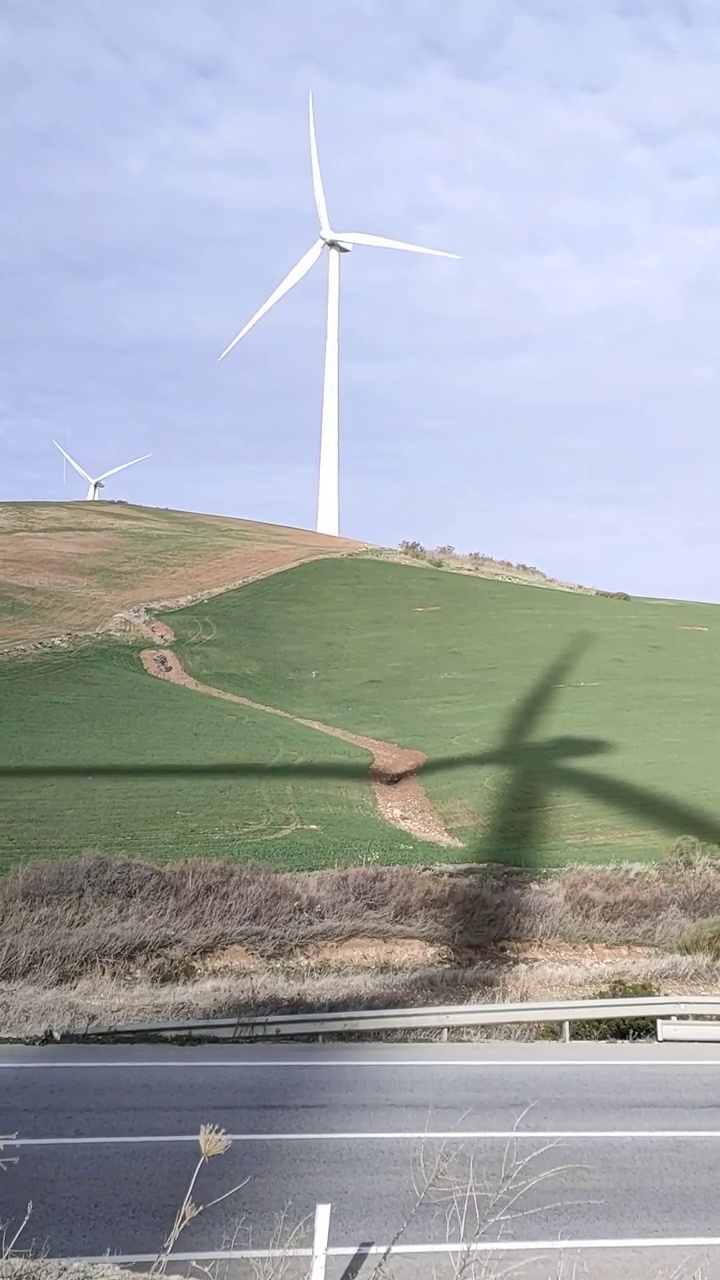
x: 551, y: 398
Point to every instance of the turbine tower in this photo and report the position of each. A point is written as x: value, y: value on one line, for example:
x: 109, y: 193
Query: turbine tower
x: 94, y: 486
x: 336, y: 243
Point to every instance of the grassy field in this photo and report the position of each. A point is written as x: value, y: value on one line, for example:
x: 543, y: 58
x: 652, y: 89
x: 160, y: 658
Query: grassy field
x: 68, y: 567
x: 96, y: 754
x: 441, y: 662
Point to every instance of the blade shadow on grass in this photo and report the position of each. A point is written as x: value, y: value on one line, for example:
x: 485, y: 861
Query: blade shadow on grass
x: 518, y: 822
x: 516, y: 831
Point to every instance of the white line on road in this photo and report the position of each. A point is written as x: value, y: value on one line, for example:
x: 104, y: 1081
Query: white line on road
x: 319, y: 1063
x: 400, y: 1135
x: 349, y: 1251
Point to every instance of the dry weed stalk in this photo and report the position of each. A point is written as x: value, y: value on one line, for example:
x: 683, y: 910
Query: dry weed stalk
x: 476, y: 1205
x: 7, y: 1242
x: 213, y: 1142
x: 284, y: 1240
x: 679, y: 1273
x: 7, y: 1247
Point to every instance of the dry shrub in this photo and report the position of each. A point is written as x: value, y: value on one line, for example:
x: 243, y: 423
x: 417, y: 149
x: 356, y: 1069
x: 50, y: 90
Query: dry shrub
x: 629, y: 1028
x: 67, y: 918
x: 120, y: 916
x: 702, y: 939
x: 636, y: 903
x: 35, y: 1009
x: 690, y: 854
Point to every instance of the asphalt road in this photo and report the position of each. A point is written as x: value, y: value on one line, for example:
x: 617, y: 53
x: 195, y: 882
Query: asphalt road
x: 626, y: 1138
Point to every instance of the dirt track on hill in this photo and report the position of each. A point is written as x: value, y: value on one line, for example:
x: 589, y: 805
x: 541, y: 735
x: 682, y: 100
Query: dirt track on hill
x: 400, y: 799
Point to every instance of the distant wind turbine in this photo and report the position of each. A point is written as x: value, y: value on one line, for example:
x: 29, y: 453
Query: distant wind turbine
x: 94, y: 486
x: 336, y: 242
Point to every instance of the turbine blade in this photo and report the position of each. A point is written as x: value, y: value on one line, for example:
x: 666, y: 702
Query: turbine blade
x: 382, y: 242
x: 300, y: 269
x: 73, y: 463
x: 114, y: 470
x: 320, y: 202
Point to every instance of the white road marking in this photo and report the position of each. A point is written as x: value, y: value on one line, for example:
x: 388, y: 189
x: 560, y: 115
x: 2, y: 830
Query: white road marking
x: 348, y: 1251
x: 400, y: 1135
x: 264, y: 1065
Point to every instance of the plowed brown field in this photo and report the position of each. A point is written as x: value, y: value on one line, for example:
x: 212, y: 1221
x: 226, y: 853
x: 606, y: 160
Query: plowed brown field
x: 69, y: 568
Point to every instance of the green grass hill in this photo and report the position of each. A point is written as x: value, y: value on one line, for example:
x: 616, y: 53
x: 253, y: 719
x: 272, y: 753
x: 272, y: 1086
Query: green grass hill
x: 529, y: 759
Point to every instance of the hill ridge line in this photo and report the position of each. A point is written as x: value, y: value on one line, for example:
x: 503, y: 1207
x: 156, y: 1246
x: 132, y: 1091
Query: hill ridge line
x: 270, y: 571
x: 137, y: 614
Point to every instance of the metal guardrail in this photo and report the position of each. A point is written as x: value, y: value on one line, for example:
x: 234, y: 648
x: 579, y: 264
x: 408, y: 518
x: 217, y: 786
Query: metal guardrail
x: 685, y: 1030
x: 440, y: 1017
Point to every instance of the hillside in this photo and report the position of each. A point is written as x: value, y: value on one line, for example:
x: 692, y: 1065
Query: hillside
x: 442, y: 663
x: 96, y: 755
x: 67, y: 568
x: 354, y: 708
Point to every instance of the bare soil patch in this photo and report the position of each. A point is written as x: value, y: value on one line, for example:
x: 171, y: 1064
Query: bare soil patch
x: 143, y: 624
x: 576, y: 953
x: 400, y: 799
x: 227, y: 571
x: 414, y: 953
x: 233, y: 959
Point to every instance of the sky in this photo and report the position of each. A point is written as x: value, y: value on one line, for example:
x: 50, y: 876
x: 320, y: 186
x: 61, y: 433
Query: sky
x: 550, y: 398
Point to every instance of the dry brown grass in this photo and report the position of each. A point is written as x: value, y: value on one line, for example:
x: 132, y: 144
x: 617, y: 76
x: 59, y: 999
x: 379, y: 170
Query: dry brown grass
x: 476, y: 564
x: 39, y: 1008
x: 100, y: 939
x: 67, y: 568
x: 64, y: 919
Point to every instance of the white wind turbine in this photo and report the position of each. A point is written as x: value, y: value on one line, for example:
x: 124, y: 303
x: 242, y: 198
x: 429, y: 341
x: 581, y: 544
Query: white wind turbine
x: 336, y: 242
x: 94, y: 486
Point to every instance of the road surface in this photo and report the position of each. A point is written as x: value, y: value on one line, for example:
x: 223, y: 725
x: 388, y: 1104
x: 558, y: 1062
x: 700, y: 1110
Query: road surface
x: 628, y: 1136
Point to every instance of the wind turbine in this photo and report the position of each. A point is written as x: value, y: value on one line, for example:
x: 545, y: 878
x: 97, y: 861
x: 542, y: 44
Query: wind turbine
x: 93, y: 493
x: 336, y: 243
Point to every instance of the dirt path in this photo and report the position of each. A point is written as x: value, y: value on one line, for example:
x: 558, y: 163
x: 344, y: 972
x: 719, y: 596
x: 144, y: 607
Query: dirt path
x: 400, y: 798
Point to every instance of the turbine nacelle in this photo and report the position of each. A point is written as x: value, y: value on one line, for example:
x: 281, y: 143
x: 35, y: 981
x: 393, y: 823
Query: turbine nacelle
x: 94, y: 485
x: 341, y: 245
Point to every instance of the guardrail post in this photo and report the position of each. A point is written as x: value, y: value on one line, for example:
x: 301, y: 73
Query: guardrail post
x: 566, y: 1032
x: 320, y: 1241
